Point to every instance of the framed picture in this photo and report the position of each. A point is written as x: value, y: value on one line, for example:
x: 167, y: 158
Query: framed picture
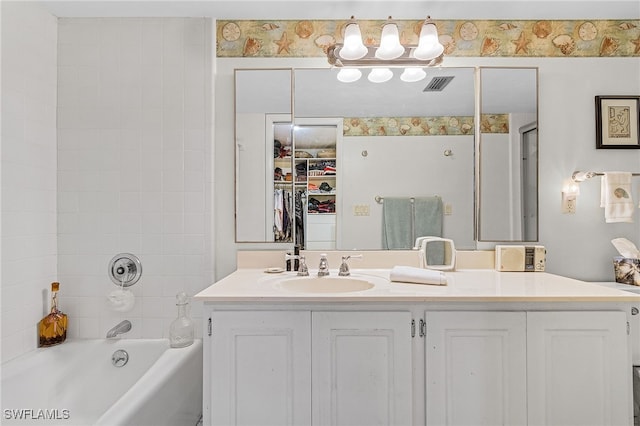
x: 617, y: 122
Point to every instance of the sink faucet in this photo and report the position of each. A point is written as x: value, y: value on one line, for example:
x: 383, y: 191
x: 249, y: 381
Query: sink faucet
x: 323, y: 268
x: 303, y: 271
x: 344, y: 267
x: 121, y: 328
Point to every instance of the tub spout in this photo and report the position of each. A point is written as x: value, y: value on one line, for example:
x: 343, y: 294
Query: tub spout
x: 122, y: 327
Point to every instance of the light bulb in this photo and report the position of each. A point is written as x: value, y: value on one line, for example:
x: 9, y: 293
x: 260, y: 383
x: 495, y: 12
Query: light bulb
x: 413, y: 74
x: 380, y: 75
x: 390, y: 47
x: 349, y: 75
x: 429, y: 46
x: 353, y: 47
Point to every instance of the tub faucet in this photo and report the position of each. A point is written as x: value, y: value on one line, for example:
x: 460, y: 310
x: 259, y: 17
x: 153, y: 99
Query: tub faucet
x: 323, y: 268
x: 121, y: 328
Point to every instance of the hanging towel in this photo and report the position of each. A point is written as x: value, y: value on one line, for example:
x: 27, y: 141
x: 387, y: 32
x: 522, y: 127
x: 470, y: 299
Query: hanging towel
x: 615, y: 197
x: 428, y: 222
x: 397, y: 226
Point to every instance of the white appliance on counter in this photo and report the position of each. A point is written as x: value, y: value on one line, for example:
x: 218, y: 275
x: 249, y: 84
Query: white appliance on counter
x: 520, y: 258
x: 634, y: 326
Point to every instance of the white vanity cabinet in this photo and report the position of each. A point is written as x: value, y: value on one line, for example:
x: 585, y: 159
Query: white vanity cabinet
x: 259, y: 368
x: 535, y: 368
x: 578, y: 370
x: 362, y: 367
x: 308, y: 367
x: 476, y: 368
x: 489, y: 348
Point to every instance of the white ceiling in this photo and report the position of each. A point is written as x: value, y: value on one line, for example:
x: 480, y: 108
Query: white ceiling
x: 341, y: 9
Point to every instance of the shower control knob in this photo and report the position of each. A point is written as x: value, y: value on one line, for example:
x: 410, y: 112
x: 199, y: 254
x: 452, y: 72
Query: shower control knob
x: 125, y: 269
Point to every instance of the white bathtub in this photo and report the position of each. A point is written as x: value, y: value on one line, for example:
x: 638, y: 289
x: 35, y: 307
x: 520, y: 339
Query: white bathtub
x: 76, y: 384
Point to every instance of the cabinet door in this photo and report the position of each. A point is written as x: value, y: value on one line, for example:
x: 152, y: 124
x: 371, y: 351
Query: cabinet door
x: 476, y: 368
x: 361, y: 368
x: 579, y: 369
x: 260, y: 368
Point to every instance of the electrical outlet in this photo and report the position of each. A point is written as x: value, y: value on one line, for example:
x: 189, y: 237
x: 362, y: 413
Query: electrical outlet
x: 568, y: 203
x: 448, y: 209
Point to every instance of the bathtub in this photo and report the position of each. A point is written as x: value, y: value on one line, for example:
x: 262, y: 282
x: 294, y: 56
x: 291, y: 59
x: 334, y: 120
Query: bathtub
x: 76, y: 384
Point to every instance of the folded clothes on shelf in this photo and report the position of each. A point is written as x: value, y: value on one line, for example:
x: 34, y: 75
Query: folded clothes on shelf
x: 325, y: 206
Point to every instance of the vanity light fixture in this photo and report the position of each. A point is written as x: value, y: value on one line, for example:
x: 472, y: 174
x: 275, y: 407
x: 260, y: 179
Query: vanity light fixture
x: 380, y: 75
x: 353, y: 54
x: 390, y: 47
x: 349, y: 75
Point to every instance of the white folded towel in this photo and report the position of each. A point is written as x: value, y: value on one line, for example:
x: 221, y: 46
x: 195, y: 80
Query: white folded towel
x: 615, y: 197
x: 410, y: 274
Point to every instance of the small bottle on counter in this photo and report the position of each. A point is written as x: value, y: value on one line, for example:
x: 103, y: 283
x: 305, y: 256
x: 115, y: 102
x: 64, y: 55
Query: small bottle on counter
x: 52, y: 329
x: 181, y: 329
x: 288, y: 260
x: 296, y: 261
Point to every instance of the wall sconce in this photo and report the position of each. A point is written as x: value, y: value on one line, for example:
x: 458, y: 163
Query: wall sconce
x: 570, y: 192
x: 353, y: 54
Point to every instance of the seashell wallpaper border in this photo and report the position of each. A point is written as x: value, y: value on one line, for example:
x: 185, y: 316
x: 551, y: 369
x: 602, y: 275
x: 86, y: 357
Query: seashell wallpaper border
x: 489, y: 38
x: 423, y: 126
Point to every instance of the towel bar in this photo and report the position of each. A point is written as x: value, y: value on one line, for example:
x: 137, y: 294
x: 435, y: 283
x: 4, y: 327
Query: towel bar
x: 579, y: 176
x: 380, y: 199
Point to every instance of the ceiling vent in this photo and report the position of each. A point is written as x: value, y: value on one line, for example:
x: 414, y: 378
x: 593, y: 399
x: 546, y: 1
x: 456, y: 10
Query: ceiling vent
x: 437, y: 84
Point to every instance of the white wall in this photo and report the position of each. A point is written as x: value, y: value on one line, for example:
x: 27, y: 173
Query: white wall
x: 133, y: 166
x: 28, y: 172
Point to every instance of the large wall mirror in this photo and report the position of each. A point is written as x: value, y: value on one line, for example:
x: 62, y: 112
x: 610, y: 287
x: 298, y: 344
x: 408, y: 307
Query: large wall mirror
x: 317, y: 174
x: 508, y: 175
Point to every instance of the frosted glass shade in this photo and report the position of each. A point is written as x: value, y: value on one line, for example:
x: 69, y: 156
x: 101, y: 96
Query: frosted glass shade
x: 413, y: 74
x: 353, y: 47
x: 390, y: 47
x: 349, y: 75
x: 429, y: 47
x: 380, y: 75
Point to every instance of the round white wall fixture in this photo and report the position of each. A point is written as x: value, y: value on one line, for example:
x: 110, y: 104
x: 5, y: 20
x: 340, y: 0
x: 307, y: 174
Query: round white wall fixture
x: 125, y: 269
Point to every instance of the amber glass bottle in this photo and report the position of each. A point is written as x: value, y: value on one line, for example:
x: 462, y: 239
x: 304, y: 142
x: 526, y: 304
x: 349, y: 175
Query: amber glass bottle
x: 52, y: 329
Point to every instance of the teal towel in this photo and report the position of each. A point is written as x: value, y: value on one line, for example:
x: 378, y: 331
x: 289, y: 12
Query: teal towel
x: 428, y: 223
x: 397, y: 223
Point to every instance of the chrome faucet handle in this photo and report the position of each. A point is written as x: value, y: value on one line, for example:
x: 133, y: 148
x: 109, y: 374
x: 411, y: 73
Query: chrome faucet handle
x: 344, y: 267
x: 323, y: 268
x: 303, y: 270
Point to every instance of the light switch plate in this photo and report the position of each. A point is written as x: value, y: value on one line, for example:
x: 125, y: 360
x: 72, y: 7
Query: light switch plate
x: 361, y: 210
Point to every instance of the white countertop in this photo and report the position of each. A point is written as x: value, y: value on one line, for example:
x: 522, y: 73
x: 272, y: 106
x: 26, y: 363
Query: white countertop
x: 472, y: 285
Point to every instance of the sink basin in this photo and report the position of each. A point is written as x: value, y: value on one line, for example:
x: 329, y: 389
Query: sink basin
x: 325, y: 284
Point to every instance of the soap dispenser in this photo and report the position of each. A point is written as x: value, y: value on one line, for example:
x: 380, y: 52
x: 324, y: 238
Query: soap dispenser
x: 181, y: 329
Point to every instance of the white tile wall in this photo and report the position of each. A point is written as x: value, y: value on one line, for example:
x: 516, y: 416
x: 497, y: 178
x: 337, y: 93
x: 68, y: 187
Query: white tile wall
x: 133, y: 155
x: 28, y: 172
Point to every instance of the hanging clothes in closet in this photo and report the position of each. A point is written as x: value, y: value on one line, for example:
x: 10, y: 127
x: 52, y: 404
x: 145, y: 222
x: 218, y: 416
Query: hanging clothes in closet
x: 282, y: 218
x: 299, y: 218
